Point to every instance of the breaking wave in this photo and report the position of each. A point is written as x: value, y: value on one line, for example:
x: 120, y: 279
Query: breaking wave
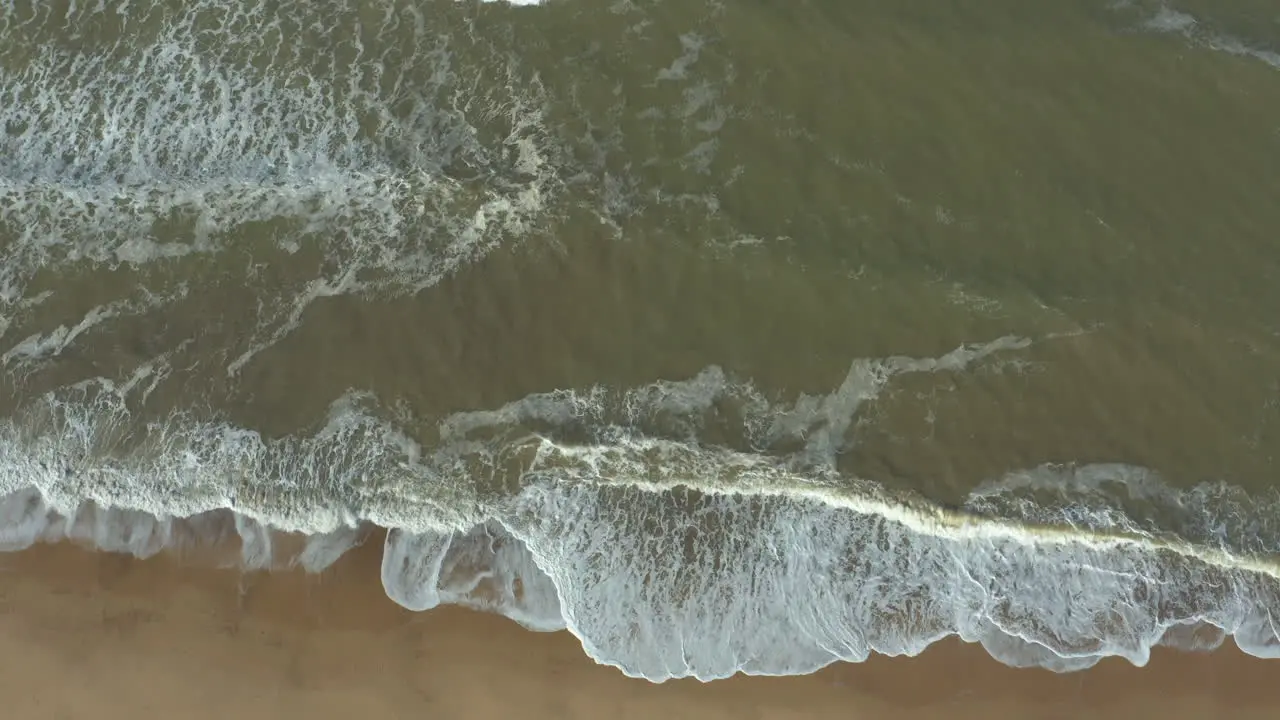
x: 606, y: 512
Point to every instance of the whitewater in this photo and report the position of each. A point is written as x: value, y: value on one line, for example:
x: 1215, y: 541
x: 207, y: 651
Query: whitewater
x: 665, y: 556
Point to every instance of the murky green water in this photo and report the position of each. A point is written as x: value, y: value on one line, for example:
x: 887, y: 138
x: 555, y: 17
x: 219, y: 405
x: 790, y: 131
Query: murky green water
x: 409, y: 262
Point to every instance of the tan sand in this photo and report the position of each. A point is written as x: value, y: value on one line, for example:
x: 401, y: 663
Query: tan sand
x: 94, y: 635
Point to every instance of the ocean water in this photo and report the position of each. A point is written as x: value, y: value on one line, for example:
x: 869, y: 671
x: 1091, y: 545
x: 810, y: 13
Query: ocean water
x: 728, y: 336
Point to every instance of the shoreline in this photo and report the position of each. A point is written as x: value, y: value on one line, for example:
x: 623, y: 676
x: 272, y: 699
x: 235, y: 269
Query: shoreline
x: 158, y: 635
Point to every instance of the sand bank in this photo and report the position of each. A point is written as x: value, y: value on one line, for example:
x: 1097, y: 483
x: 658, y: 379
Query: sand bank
x: 96, y: 635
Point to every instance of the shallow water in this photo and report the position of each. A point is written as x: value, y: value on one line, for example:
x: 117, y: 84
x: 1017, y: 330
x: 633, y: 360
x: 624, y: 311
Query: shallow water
x: 664, y: 321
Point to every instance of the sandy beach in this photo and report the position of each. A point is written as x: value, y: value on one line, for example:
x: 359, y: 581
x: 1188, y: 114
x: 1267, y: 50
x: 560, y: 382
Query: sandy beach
x: 96, y: 635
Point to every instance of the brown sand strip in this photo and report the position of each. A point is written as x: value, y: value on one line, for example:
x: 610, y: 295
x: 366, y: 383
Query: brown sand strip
x: 94, y: 635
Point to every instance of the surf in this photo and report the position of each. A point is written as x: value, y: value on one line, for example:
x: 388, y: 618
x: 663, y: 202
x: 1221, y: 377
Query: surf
x: 602, y: 512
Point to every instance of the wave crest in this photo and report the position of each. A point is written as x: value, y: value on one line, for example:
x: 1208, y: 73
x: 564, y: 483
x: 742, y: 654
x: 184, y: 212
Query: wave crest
x: 602, y: 512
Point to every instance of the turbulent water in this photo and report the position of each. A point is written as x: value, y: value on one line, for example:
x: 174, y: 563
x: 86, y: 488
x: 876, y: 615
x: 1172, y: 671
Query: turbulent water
x: 730, y: 337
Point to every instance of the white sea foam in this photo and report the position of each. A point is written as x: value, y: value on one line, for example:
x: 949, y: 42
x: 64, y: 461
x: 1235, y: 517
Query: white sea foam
x: 1167, y: 19
x: 484, y: 568
x: 665, y: 556
x: 154, y: 143
x: 787, y: 585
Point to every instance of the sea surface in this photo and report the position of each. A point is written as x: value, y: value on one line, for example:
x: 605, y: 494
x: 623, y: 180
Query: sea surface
x: 729, y: 335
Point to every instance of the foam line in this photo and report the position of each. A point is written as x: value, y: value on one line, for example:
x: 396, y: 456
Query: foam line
x: 668, y: 557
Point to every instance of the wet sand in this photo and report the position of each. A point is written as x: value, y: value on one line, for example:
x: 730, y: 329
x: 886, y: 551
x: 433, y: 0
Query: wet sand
x: 96, y: 635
